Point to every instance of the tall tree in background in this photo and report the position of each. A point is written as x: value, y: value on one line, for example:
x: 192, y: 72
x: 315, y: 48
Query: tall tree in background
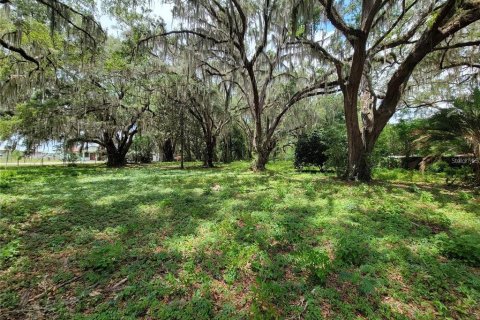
x: 206, y: 107
x: 106, y: 102
x: 112, y: 105
x: 99, y: 91
x: 247, y: 43
x: 205, y: 102
x: 374, y: 48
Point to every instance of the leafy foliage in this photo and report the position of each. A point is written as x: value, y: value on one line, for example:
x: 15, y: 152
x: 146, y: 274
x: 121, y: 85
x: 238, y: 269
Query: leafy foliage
x: 141, y: 150
x: 310, y: 150
x: 353, y: 248
x: 463, y: 247
x: 337, y: 152
x: 459, y: 124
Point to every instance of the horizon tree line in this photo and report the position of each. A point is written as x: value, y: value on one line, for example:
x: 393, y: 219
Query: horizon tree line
x: 231, y: 63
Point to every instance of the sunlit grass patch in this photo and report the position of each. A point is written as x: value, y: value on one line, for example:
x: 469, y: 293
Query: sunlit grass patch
x: 162, y: 243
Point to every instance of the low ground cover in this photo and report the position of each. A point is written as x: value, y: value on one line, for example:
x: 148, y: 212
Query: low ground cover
x: 156, y: 242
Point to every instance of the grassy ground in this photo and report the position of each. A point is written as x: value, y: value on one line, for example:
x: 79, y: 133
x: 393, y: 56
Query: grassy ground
x: 160, y: 243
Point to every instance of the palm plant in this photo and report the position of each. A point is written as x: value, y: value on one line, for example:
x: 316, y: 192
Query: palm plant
x: 454, y: 127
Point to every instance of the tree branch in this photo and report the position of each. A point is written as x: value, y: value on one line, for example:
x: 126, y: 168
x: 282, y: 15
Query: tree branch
x: 337, y: 21
x: 58, y: 8
x: 20, y: 51
x: 459, y: 45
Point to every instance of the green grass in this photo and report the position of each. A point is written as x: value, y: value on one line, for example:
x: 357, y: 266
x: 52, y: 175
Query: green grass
x: 160, y: 243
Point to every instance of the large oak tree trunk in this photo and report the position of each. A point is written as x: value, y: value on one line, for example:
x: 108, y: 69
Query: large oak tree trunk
x: 358, y: 166
x: 260, y: 143
x: 260, y: 160
x: 454, y: 16
x: 361, y: 139
x: 357, y: 156
x: 209, y: 156
x: 117, y: 153
x: 261, y: 154
x: 115, y: 157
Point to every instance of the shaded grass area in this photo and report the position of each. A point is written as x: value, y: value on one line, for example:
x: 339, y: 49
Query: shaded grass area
x: 155, y: 242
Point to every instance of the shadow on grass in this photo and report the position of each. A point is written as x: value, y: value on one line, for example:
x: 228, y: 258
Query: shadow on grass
x: 163, y: 243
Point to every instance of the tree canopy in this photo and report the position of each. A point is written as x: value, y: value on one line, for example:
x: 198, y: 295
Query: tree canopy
x: 262, y: 67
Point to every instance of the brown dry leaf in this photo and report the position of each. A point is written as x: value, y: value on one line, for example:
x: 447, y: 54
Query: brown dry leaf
x: 95, y: 293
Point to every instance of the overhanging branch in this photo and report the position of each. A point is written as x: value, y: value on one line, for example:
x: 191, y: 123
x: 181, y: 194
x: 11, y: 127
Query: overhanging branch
x: 20, y: 51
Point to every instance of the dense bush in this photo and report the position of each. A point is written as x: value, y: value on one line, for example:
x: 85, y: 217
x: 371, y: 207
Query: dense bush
x: 452, y: 175
x: 337, y: 151
x: 462, y: 174
x: 323, y: 148
x: 310, y: 150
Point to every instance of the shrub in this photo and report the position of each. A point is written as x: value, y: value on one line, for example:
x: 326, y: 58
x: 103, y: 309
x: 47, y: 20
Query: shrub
x: 438, y: 166
x: 71, y: 158
x: 323, y: 148
x: 310, y: 150
x: 462, y: 174
x: 317, y: 263
x: 337, y: 152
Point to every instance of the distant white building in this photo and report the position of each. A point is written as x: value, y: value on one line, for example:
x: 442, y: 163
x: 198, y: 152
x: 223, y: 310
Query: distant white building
x: 88, y: 153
